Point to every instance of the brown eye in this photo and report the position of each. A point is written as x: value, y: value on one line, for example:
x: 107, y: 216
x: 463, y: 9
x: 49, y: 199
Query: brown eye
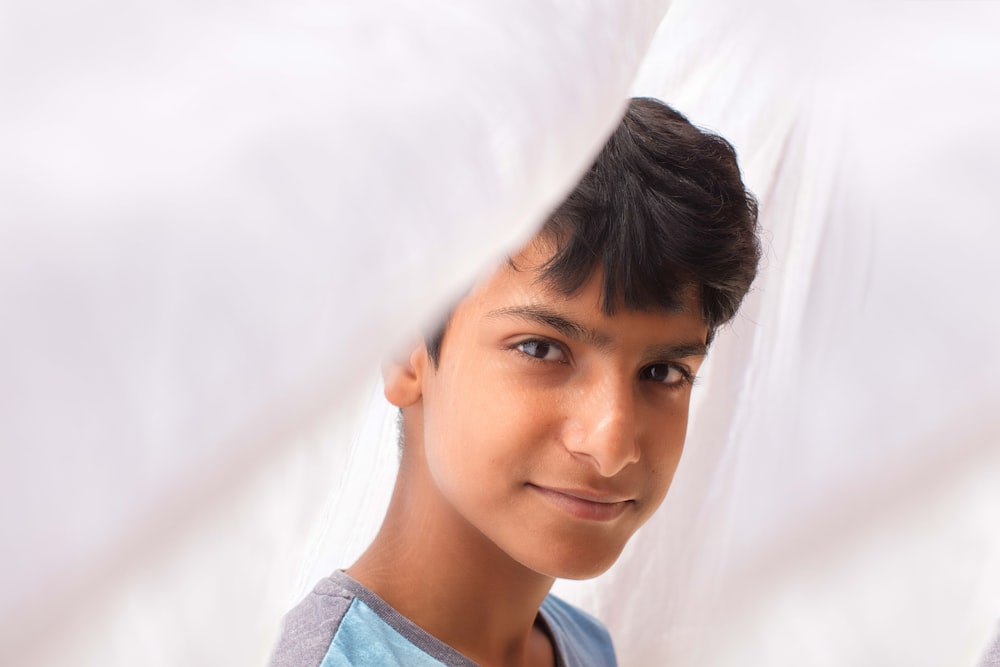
x: 541, y: 349
x: 665, y: 374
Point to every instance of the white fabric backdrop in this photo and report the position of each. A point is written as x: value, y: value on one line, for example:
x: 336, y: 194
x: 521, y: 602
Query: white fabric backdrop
x: 216, y: 218
x: 206, y: 242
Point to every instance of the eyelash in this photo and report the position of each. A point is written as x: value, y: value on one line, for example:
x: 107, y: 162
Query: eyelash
x: 687, y: 378
x: 543, y: 341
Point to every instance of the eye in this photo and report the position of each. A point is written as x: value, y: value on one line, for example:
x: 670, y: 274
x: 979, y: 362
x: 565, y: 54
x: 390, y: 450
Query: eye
x: 542, y: 350
x: 668, y: 374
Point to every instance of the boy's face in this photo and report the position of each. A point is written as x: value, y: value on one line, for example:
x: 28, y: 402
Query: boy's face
x: 550, y: 428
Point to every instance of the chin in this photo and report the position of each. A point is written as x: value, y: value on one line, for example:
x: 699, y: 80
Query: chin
x: 569, y: 563
x: 582, y: 575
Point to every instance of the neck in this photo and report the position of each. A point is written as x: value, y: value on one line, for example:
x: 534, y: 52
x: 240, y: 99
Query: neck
x: 449, y: 579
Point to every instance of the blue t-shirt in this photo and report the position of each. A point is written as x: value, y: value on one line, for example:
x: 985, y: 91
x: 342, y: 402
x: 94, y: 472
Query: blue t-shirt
x: 343, y: 623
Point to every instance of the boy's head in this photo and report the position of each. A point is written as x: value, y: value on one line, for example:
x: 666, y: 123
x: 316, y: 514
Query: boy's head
x: 663, y: 209
x: 546, y: 420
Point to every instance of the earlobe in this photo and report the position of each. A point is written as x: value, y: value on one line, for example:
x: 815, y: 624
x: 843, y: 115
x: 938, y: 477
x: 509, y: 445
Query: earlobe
x: 403, y: 377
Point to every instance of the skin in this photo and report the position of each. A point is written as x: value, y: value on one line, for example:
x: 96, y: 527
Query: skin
x: 546, y: 435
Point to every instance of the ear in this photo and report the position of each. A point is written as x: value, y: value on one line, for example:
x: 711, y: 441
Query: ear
x: 403, y: 376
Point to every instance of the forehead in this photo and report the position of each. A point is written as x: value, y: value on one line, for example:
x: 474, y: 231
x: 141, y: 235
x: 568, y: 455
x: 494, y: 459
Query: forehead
x: 522, y: 281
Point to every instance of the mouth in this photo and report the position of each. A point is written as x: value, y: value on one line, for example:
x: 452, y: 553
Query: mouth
x: 584, y: 503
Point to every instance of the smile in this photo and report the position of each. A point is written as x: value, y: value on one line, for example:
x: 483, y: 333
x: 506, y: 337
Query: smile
x: 584, y: 504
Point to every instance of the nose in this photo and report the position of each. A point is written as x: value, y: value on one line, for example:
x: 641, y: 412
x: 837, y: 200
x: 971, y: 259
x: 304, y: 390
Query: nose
x: 603, y: 428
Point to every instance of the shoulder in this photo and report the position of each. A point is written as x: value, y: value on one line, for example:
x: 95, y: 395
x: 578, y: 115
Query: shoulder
x: 309, y: 628
x: 341, y: 623
x: 992, y: 657
x: 581, y: 639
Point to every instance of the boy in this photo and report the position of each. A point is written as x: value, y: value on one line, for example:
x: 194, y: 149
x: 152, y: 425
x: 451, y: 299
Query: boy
x: 542, y: 425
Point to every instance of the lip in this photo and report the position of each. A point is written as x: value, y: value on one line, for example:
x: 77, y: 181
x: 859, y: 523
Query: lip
x: 584, y: 503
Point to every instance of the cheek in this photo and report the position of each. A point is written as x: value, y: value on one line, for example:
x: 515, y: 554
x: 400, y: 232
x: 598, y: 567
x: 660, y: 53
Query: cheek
x: 482, y: 438
x: 663, y: 450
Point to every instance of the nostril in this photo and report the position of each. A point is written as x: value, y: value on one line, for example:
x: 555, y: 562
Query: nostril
x: 607, y: 440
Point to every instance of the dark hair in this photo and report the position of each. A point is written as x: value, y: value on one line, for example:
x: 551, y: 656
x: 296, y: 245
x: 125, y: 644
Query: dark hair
x: 662, y: 210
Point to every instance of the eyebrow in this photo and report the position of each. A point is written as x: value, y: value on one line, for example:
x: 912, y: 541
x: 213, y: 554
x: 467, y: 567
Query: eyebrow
x: 576, y: 331
x: 680, y: 350
x: 552, y: 319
